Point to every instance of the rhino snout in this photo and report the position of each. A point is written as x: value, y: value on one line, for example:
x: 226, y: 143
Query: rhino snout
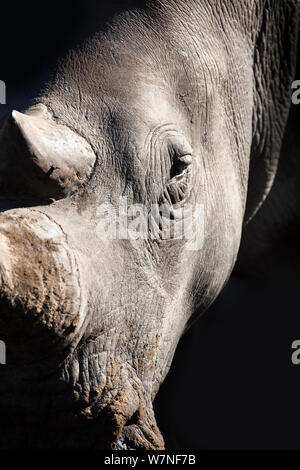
x: 39, y: 284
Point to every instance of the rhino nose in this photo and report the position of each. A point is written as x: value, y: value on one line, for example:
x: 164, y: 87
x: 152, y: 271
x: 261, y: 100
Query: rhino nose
x: 40, y: 159
x: 39, y: 283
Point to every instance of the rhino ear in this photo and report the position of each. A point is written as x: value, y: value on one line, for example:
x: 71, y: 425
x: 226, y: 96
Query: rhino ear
x: 275, y: 57
x: 42, y: 159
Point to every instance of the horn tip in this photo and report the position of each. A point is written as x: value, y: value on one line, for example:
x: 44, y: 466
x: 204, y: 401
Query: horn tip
x: 15, y: 115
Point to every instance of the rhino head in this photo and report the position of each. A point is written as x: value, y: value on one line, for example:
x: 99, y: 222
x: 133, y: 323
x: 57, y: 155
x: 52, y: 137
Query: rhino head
x: 155, y: 112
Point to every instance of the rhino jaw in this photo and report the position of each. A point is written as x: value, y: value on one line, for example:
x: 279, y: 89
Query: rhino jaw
x: 40, y: 293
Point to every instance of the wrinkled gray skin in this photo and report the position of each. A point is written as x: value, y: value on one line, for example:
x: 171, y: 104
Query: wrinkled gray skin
x: 91, y: 325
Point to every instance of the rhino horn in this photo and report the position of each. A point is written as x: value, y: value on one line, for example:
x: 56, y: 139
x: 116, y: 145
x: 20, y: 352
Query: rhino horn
x: 40, y: 295
x: 40, y: 159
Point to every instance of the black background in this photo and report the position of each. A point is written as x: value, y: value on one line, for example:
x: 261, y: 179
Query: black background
x: 232, y: 384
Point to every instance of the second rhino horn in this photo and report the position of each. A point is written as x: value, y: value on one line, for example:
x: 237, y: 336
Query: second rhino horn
x: 40, y: 159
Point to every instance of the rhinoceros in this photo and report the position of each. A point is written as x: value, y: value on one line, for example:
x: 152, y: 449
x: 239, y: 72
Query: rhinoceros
x: 170, y: 102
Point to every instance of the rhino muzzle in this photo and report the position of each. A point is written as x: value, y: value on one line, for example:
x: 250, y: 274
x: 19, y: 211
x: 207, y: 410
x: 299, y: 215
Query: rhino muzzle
x: 39, y: 285
x: 43, y: 304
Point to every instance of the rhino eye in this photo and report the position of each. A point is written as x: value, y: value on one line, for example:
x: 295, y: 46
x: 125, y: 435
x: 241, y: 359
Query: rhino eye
x: 177, y: 188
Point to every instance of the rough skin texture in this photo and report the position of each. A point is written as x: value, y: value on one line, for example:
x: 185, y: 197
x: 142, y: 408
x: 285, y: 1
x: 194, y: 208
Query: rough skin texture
x: 102, y: 318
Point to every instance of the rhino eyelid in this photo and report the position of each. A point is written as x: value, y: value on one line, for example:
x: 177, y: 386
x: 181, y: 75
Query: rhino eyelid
x: 187, y: 159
